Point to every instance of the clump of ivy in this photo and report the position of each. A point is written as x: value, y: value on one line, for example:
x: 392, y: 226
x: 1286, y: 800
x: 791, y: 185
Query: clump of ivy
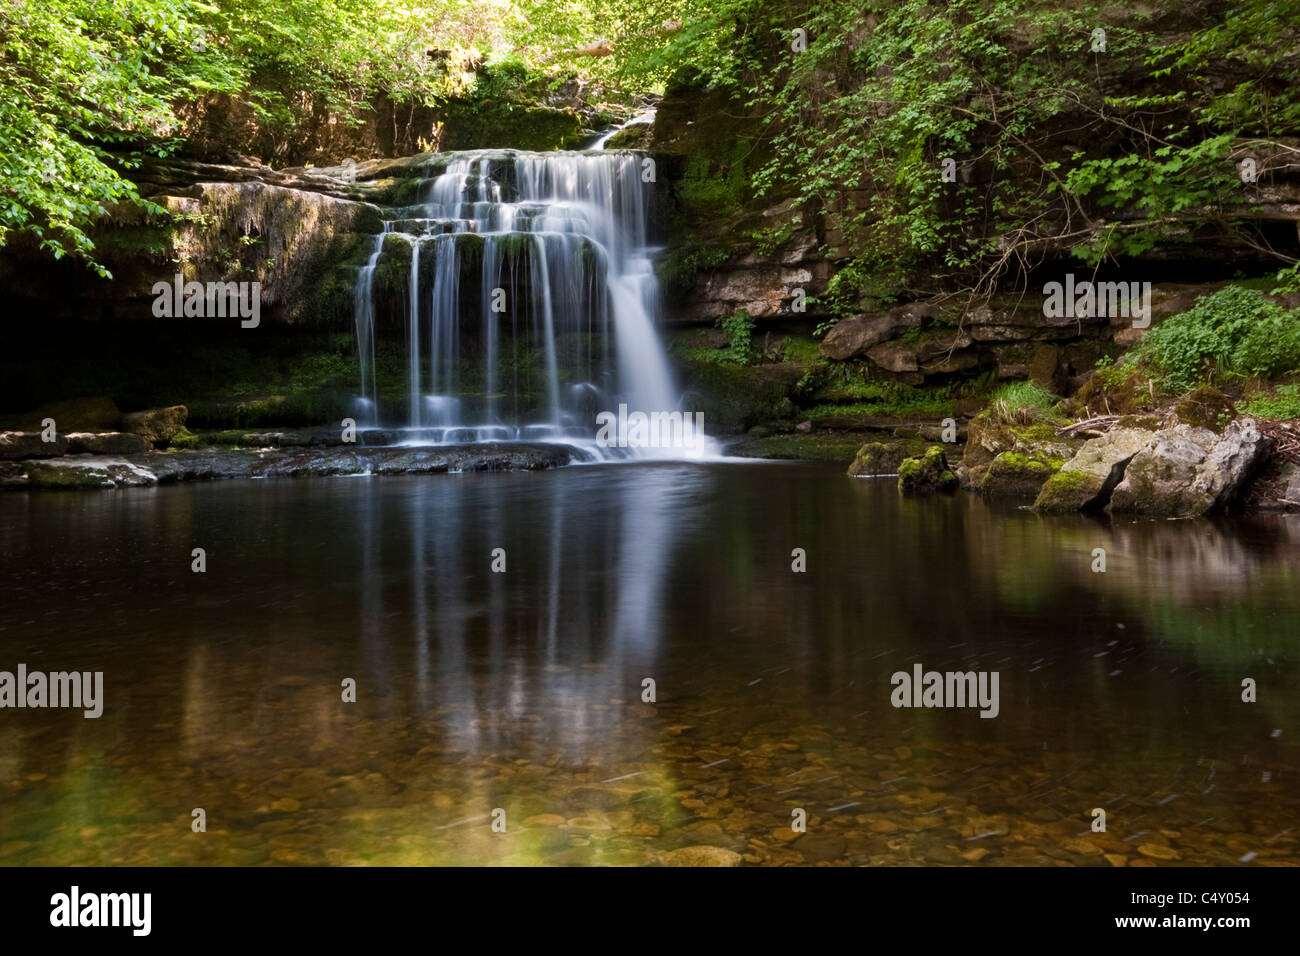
x: 739, y: 328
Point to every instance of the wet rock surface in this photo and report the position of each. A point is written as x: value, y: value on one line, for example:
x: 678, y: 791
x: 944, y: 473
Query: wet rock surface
x: 89, y: 472
x: 15, y: 446
x: 107, y: 443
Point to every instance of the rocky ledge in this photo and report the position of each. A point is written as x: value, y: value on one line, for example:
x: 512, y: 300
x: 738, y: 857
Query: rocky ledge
x: 90, y: 471
x: 1141, y: 465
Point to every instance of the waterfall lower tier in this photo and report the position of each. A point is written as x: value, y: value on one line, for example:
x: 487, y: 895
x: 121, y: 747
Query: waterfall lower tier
x: 525, y: 286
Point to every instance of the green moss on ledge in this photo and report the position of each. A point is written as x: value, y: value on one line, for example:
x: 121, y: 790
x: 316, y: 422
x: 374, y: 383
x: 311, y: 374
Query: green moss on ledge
x: 1017, y: 475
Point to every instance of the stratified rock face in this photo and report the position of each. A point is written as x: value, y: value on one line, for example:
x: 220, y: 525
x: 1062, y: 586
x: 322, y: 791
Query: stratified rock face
x: 926, y: 475
x: 761, y: 286
x: 15, y: 446
x: 1086, y: 481
x: 1187, y: 471
x: 157, y: 425
x: 852, y: 337
x: 297, y: 242
x: 302, y: 235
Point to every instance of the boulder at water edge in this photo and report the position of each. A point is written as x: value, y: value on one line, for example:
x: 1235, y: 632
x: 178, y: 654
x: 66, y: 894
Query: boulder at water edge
x: 1187, y: 471
x: 927, y: 474
x: 1086, y: 481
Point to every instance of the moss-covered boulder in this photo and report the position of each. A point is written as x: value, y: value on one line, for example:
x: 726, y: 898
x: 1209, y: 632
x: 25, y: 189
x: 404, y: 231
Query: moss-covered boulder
x: 1016, y: 474
x: 927, y: 474
x: 157, y: 425
x: 884, y: 457
x: 1086, y: 481
x: 988, y: 438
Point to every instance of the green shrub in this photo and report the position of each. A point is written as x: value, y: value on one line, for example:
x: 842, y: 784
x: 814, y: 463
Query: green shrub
x: 1235, y: 331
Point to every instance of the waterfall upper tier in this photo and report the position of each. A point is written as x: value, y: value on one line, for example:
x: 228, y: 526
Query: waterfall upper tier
x: 517, y: 293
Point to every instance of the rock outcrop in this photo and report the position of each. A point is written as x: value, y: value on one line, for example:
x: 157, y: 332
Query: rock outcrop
x: 1086, y: 481
x: 15, y: 446
x: 1185, y: 471
x: 1179, y: 471
x: 90, y: 472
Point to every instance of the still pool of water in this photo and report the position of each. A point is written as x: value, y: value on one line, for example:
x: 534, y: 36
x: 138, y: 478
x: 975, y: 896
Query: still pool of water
x: 523, y: 690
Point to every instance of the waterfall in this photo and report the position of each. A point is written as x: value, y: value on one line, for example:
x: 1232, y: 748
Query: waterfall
x: 363, y: 309
x: 530, y: 300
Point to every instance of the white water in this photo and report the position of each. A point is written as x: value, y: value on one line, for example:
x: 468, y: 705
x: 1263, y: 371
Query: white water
x: 558, y: 324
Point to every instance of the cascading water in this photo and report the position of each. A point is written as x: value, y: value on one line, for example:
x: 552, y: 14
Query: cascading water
x: 529, y: 297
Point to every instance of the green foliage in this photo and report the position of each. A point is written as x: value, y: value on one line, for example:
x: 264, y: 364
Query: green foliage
x: 1235, y: 331
x: 740, y: 330
x: 1282, y: 404
x: 88, y: 88
x: 886, y: 90
x: 1021, y: 403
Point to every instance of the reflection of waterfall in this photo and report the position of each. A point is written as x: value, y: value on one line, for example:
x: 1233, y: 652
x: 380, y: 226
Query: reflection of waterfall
x: 574, y: 614
x: 527, y: 273
x: 645, y: 547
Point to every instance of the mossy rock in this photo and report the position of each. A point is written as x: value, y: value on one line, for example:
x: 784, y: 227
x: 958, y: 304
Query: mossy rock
x: 885, y: 457
x: 1065, y: 490
x: 184, y: 438
x: 1087, y: 480
x: 1017, y: 475
x: 1206, y: 407
x: 927, y: 474
x: 734, y: 398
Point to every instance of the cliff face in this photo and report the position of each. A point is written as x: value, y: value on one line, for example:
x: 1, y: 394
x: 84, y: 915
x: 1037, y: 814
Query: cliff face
x: 732, y: 250
x: 220, y: 224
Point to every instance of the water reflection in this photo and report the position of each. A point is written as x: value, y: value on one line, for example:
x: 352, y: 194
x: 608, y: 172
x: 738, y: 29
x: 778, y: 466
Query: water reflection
x: 522, y: 689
